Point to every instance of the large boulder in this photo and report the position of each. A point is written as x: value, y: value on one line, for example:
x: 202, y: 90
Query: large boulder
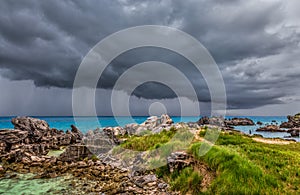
x: 36, y: 128
x: 29, y: 124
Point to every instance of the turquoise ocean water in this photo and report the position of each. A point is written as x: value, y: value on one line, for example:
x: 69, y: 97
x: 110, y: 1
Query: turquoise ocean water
x: 88, y: 123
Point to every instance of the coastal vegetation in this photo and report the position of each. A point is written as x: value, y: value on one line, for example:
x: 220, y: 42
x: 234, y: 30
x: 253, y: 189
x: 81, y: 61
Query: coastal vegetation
x: 148, y: 141
x: 241, y: 165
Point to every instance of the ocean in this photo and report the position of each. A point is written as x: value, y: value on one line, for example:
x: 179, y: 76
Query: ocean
x: 90, y: 123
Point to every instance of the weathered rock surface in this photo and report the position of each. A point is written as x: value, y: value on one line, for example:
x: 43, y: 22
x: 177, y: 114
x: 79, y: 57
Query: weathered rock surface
x: 294, y: 132
x: 293, y: 125
x: 224, y: 124
x: 220, y: 121
x: 259, y: 123
x: 30, y: 124
x: 114, y: 132
x: 93, y: 176
x: 24, y: 150
x: 271, y: 128
x: 293, y: 122
x: 239, y: 122
x: 217, y: 121
x: 154, y: 124
x: 12, y: 136
x: 214, y: 122
x: 35, y: 137
x: 178, y: 161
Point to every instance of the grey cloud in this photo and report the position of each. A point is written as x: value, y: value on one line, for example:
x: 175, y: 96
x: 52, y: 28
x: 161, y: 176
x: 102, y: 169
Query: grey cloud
x: 45, y: 41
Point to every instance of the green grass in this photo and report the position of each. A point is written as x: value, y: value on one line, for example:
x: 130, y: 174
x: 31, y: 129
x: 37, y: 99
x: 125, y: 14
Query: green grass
x: 235, y: 174
x: 165, y: 139
x: 244, y: 166
x: 148, y: 141
x: 241, y: 165
x: 187, y: 180
x: 159, y: 146
x: 55, y: 153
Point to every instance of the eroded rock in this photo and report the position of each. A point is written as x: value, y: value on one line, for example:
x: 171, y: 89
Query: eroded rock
x: 178, y: 161
x: 294, y: 132
x: 239, y: 122
x: 293, y: 122
x: 271, y: 128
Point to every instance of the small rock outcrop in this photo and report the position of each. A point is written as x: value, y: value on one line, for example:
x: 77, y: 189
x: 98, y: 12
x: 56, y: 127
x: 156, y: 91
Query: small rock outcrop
x: 239, y: 122
x: 178, y: 161
x: 271, y: 128
x: 293, y: 125
x: 293, y: 122
x: 114, y: 132
x: 226, y: 123
x: 259, y: 123
x: 154, y: 124
x: 294, y: 132
x: 216, y: 121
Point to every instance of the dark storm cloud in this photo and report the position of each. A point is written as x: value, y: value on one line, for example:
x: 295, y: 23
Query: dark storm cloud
x: 255, y: 43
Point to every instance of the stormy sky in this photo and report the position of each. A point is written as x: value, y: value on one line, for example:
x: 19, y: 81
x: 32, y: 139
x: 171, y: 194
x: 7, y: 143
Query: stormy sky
x: 255, y: 44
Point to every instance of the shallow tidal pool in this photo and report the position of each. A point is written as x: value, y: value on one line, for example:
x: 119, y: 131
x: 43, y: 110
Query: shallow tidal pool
x: 25, y: 184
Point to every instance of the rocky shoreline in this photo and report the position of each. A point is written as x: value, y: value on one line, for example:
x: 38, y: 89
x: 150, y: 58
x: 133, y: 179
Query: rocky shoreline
x: 28, y: 148
x: 292, y: 126
x: 34, y: 147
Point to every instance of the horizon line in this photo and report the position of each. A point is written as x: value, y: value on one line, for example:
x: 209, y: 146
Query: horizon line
x: 142, y: 116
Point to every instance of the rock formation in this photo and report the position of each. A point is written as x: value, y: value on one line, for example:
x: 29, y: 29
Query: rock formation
x: 271, y: 128
x: 293, y: 125
x: 293, y: 122
x: 154, y: 124
x: 239, y: 122
x: 294, y: 132
x: 178, y: 161
x: 35, y: 137
x: 259, y: 123
x: 226, y: 123
x: 26, y: 148
x: 216, y: 121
